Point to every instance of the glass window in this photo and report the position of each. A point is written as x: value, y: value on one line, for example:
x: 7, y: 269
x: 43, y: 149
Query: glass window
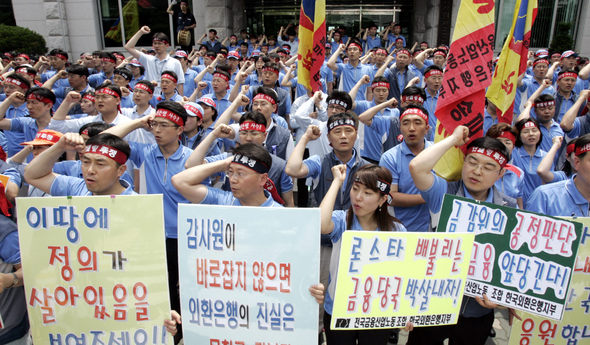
x: 134, y: 14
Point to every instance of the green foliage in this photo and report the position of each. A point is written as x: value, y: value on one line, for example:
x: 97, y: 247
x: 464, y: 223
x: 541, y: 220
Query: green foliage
x: 16, y: 38
x: 562, y: 40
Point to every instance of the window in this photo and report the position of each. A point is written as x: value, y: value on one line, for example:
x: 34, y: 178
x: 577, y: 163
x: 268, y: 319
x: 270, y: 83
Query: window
x: 134, y: 14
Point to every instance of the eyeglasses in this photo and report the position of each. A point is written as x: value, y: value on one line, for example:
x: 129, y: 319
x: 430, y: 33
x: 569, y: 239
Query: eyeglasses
x: 336, y: 107
x: 238, y: 174
x: 488, y: 168
x: 156, y: 124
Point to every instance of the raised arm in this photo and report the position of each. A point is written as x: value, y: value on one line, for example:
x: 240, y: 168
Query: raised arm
x: 334, y: 57
x: 382, y: 69
x: 121, y: 130
x: 367, y: 116
x: 189, y: 182
x: 421, y: 166
x: 567, y: 122
x: 130, y: 45
x: 327, y: 204
x: 286, y: 81
x: 197, y: 157
x: 355, y: 89
x: 295, y: 167
x: 545, y: 167
x: 8, y: 101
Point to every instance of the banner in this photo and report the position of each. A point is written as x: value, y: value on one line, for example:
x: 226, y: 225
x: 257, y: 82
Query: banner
x: 520, y: 259
x: 95, y: 269
x: 574, y: 328
x: 513, y: 60
x: 312, y: 41
x: 467, y: 73
x: 386, y: 279
x: 246, y: 273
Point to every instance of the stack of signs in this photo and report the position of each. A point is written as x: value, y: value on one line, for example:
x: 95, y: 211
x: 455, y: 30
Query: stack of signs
x: 520, y: 259
x: 95, y: 269
x: 574, y: 328
x: 387, y: 279
x: 245, y: 274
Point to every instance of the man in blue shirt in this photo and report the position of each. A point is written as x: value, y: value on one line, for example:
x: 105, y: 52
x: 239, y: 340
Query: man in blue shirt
x: 103, y: 164
x: 247, y: 171
x: 408, y: 204
x: 484, y: 165
x: 351, y: 72
x: 14, y: 107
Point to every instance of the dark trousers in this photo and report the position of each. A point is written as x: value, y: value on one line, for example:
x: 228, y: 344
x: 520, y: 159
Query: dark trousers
x: 173, y: 288
x: 302, y: 191
x: 467, y: 331
x: 364, y: 337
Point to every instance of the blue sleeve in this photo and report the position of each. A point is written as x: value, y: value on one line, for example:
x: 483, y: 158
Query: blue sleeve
x: 280, y: 121
x: 537, y: 202
x: 286, y: 182
x: 381, y: 124
x: 559, y: 176
x: 434, y: 195
x: 216, y: 158
x: 14, y: 176
x: 575, y: 132
x: 16, y: 124
x: 137, y: 153
x: 9, y: 249
x: 314, y: 166
x: 361, y: 107
x: 388, y: 160
x: 339, y: 68
x: 217, y: 196
x: 68, y: 186
x: 339, y: 220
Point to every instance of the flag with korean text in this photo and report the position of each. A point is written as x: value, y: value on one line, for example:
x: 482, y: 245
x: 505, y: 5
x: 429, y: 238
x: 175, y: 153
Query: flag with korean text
x: 312, y: 39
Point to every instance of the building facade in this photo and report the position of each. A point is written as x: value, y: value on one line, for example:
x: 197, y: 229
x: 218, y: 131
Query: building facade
x: 87, y: 25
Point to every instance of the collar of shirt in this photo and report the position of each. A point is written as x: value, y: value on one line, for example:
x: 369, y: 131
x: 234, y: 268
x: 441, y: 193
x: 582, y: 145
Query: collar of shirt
x: 148, y: 111
x: 575, y: 193
x: 177, y: 155
x: 489, y: 199
x: 406, y: 150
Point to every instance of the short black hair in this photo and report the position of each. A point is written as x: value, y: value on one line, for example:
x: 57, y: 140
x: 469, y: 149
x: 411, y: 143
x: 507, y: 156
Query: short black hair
x: 544, y: 98
x: 110, y: 87
x: 57, y: 51
x: 520, y: 125
x: 566, y: 71
x: 490, y: 143
x: 253, y: 116
x: 124, y: 72
x: 174, y: 107
x: 341, y: 96
x: 148, y: 84
x: 80, y: 70
x: 95, y: 128
x: 380, y: 79
x: 108, y: 55
x: 343, y: 116
x: 110, y: 140
x: 255, y: 151
x: 170, y: 73
x: 269, y: 92
x: 414, y: 90
x: 20, y: 78
x: 213, y: 31
x: 161, y: 36
x: 41, y: 91
x: 431, y: 67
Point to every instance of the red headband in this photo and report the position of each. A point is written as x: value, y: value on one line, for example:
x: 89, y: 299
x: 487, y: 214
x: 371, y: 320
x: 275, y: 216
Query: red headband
x: 493, y: 154
x: 25, y: 71
x: 582, y: 149
x: 530, y: 124
x: 270, y: 69
x: 540, y: 61
x: 508, y: 135
x: 252, y: 126
x: 39, y: 98
x: 24, y: 56
x: 265, y: 97
x: 109, y: 152
x: 159, y: 40
x: 89, y: 97
x: 18, y: 83
x: 571, y: 147
x: 167, y: 114
x: 61, y: 56
x: 380, y: 84
x: 544, y: 104
x: 354, y: 44
x: 415, y: 111
x: 555, y: 55
x: 404, y: 51
x: 194, y: 109
x: 432, y: 72
x: 440, y: 53
x: 567, y: 75
x: 108, y: 59
x: 413, y: 98
x: 169, y: 77
x: 381, y: 51
x: 144, y: 87
x: 107, y: 91
x: 221, y: 75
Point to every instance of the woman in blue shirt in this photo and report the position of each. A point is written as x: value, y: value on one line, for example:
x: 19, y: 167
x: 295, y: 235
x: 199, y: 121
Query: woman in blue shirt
x: 527, y: 155
x: 368, y: 211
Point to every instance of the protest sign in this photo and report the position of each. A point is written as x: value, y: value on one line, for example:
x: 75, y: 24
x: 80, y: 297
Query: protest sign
x: 386, y: 279
x: 520, y: 259
x: 245, y: 274
x: 95, y: 269
x: 574, y: 328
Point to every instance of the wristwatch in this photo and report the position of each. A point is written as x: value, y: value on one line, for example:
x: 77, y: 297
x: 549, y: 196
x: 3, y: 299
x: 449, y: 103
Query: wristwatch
x: 14, y: 280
